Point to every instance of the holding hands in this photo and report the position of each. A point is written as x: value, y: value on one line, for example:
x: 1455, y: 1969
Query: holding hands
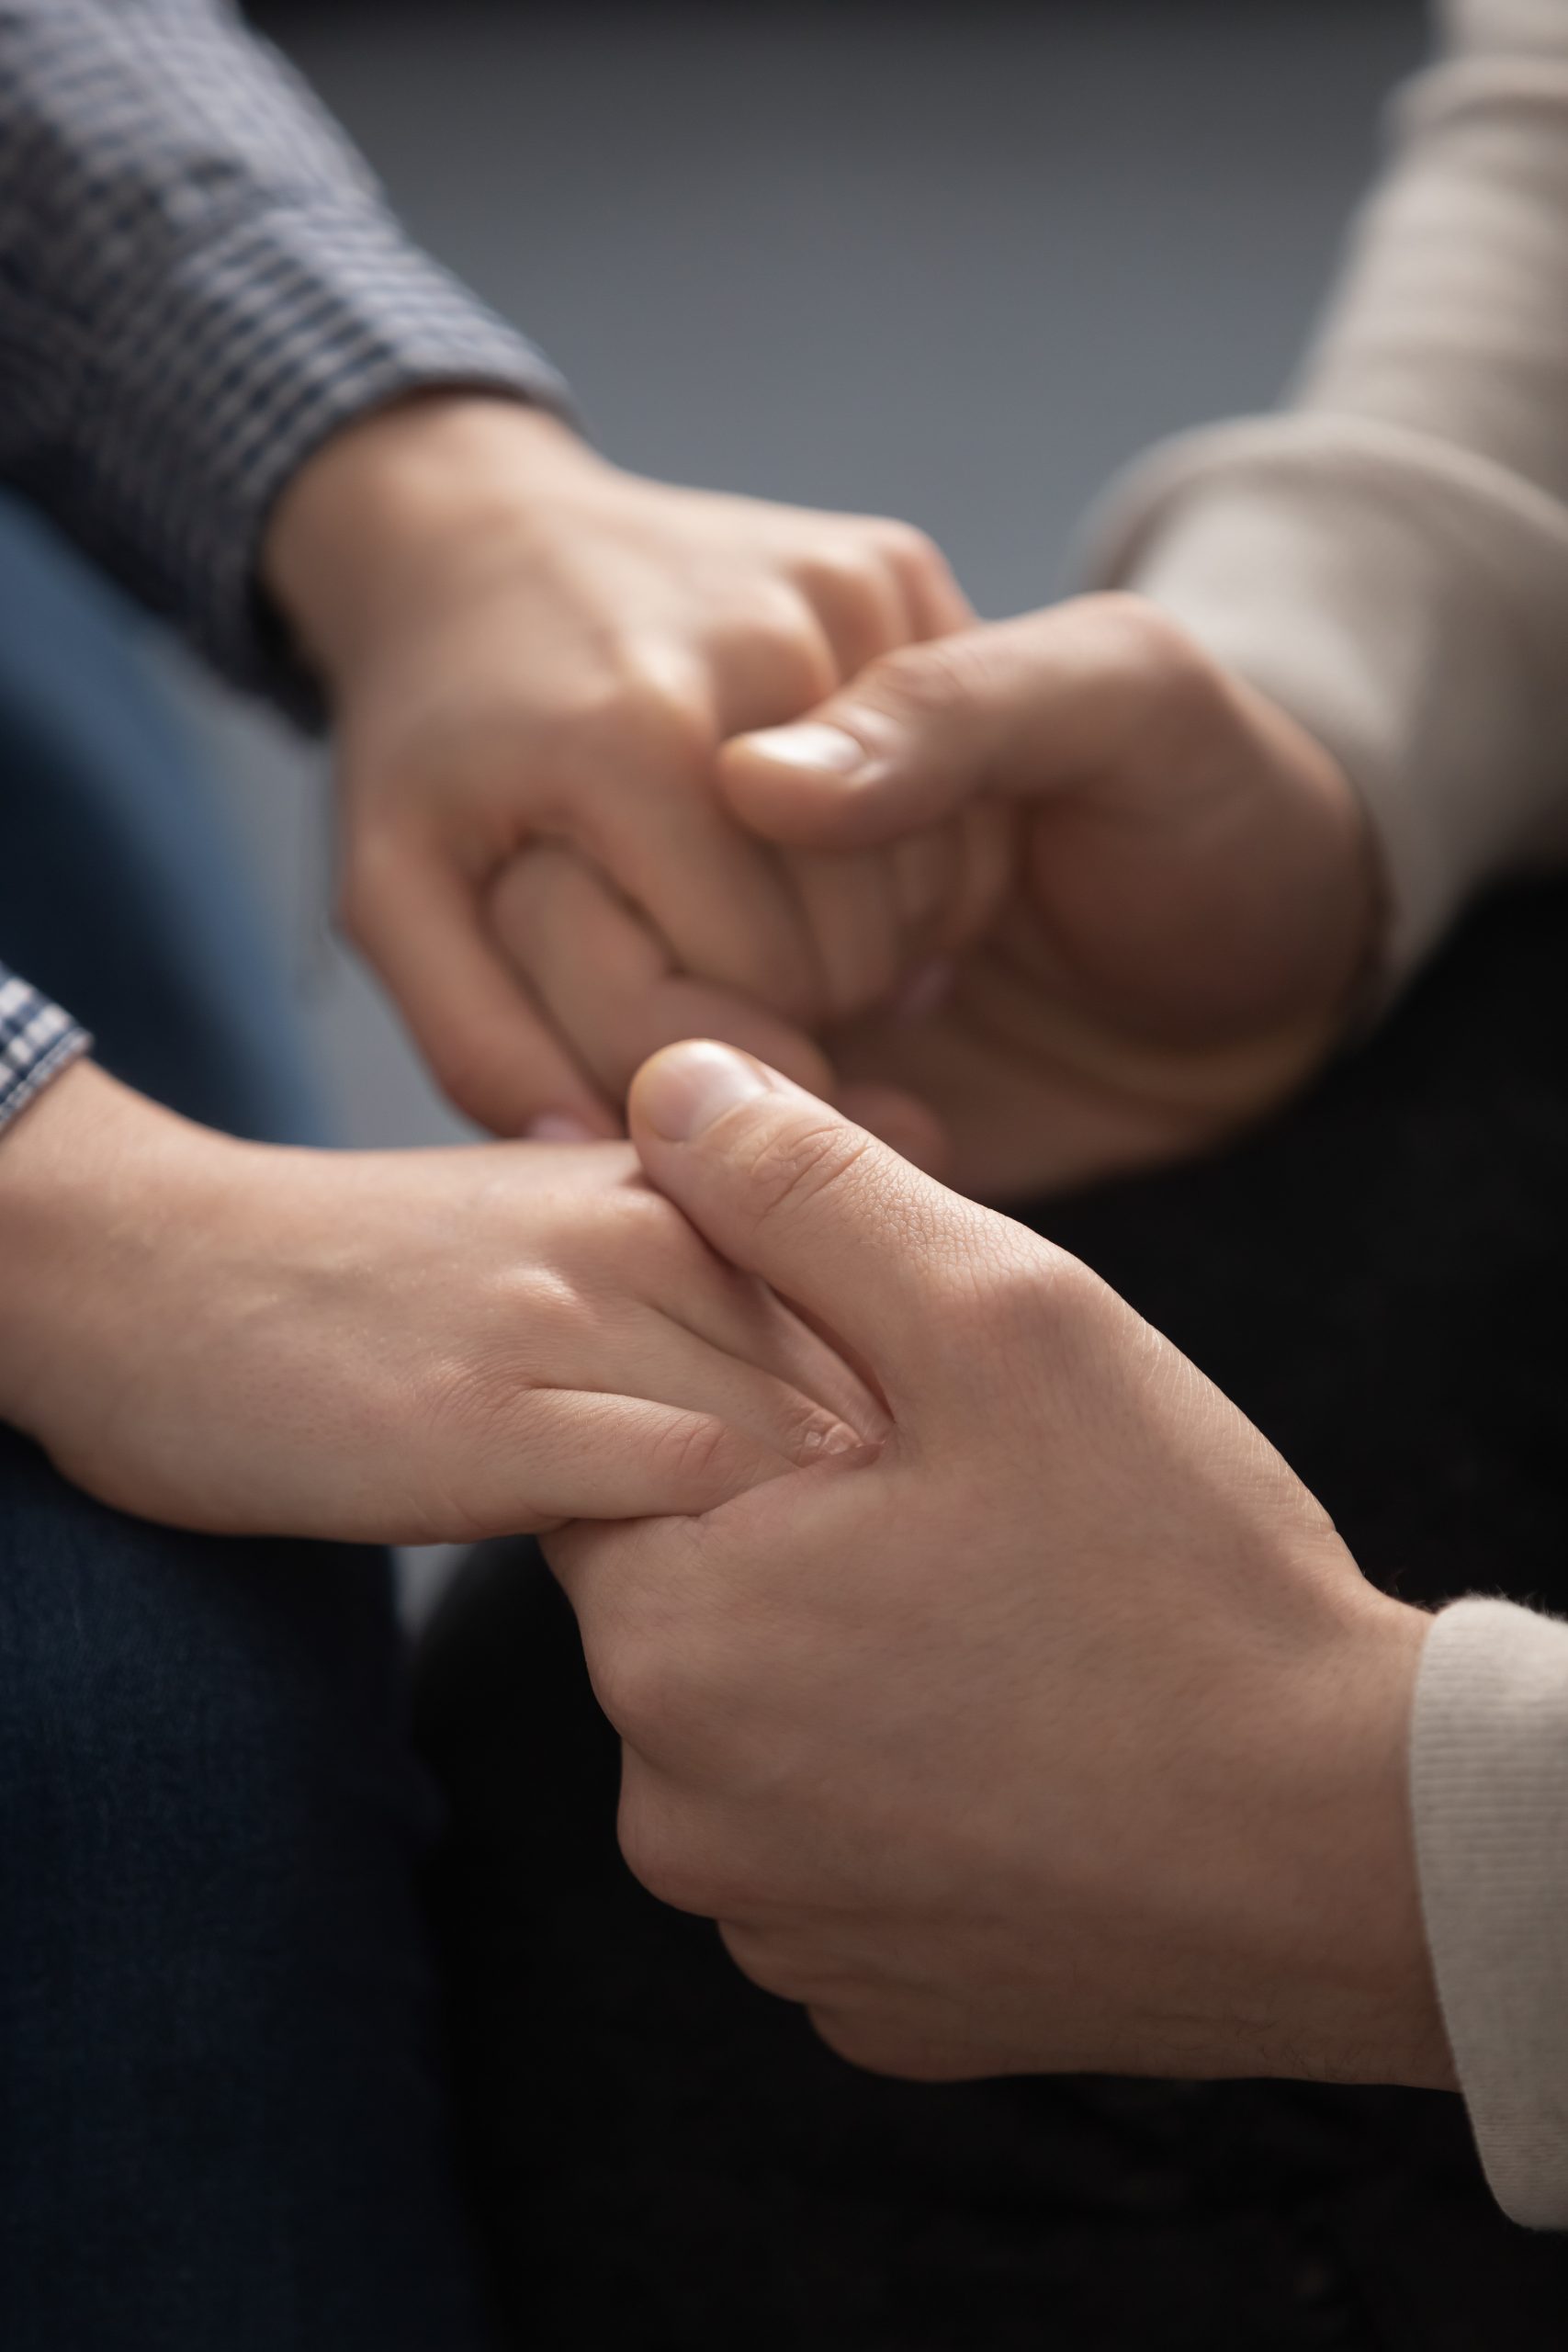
x: 1058, y: 1731
x: 408, y: 1347
x: 532, y: 660
x: 979, y: 1666
x: 583, y: 815
x: 1194, y: 902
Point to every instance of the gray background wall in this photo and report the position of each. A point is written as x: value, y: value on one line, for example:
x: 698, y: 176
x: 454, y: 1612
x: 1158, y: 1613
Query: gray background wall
x: 956, y: 264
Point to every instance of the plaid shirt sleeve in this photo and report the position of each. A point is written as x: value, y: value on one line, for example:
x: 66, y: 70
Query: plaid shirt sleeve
x: 37, y: 1042
x: 199, y: 281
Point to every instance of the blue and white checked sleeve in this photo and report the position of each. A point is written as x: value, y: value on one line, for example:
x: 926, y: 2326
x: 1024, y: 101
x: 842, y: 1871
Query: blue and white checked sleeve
x: 199, y: 281
x: 37, y: 1042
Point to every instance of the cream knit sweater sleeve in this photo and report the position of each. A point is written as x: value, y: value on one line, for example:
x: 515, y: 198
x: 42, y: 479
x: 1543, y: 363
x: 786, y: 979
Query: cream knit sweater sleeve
x: 1389, y: 559
x: 1489, y: 1767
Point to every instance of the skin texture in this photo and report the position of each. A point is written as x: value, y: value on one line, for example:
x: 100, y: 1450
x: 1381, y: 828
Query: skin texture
x: 529, y: 650
x: 1059, y: 1730
x: 410, y: 1347
x: 1196, y: 904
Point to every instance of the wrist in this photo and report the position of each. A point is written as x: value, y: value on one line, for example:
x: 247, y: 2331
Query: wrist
x: 1349, y: 1916
x: 98, y: 1191
x: 406, y: 493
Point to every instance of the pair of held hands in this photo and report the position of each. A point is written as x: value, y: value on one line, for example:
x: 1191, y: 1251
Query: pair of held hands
x: 562, y: 853
x: 980, y: 1667
x: 578, y: 820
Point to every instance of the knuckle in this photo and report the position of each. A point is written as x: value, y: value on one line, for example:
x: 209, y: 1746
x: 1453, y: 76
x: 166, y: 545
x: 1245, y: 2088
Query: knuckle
x: 637, y: 1229
x: 696, y: 1454
x: 636, y: 721
x: 646, y: 1682
x: 646, y: 707
x: 480, y: 1403
x: 778, y: 614
x: 667, y: 1858
x: 1030, y: 1299
x: 791, y: 1170
x: 784, y: 632
x: 945, y: 678
x: 906, y: 547
x: 769, y: 1960
x: 880, y: 2046
x: 634, y: 1674
x: 859, y: 2044
x: 1177, y: 677
x: 846, y: 574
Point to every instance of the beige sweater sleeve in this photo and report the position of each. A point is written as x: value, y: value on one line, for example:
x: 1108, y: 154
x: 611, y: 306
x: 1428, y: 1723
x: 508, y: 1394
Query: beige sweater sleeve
x: 1489, y: 1771
x: 1388, y: 559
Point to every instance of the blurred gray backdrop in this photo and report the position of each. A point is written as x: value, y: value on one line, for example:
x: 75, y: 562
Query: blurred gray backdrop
x: 954, y: 263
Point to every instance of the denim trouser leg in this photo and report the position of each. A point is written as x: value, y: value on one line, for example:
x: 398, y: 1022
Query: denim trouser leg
x: 223, y: 2117
x: 223, y: 2109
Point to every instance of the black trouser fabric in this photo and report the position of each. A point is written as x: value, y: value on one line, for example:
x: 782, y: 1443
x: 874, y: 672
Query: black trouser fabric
x: 665, y: 2160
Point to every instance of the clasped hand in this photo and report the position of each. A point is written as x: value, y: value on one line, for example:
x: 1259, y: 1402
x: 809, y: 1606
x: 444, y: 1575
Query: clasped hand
x: 410, y: 1347
x: 1058, y: 1731
x: 622, y: 763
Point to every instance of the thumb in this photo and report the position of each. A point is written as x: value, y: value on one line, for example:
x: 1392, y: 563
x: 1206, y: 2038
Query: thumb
x: 1020, y: 708
x: 785, y: 1187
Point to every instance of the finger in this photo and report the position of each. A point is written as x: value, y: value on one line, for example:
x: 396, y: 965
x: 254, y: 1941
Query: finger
x: 783, y: 1186
x: 876, y: 916
x: 771, y: 657
x: 860, y: 603
x: 674, y: 1363
x: 919, y: 597
x: 420, y: 924
x: 1021, y: 709
x: 925, y: 868
x: 607, y: 978
x: 577, y: 1453
x: 936, y: 604
x: 716, y: 897
x: 738, y: 1321
x: 986, y: 844
x: 852, y: 913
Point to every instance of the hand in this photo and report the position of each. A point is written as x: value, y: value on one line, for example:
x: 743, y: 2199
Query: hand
x: 1198, y: 896
x: 528, y: 649
x: 410, y: 1347
x: 1061, y: 1733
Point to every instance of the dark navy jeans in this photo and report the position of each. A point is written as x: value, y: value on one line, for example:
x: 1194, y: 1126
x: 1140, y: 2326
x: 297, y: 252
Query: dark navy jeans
x: 223, y: 2121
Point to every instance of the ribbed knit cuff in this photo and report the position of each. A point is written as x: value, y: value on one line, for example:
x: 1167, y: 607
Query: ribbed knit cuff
x: 1489, y: 1781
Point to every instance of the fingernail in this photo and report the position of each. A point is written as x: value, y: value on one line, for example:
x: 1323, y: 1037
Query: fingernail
x: 811, y: 744
x: 558, y: 1126
x: 686, y: 1088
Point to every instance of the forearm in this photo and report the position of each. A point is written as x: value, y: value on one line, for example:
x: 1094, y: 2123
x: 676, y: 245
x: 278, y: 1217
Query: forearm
x: 200, y: 284
x: 1389, y: 560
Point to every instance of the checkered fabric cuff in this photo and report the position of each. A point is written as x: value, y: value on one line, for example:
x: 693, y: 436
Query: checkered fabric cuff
x: 37, y: 1042
x: 293, y: 322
